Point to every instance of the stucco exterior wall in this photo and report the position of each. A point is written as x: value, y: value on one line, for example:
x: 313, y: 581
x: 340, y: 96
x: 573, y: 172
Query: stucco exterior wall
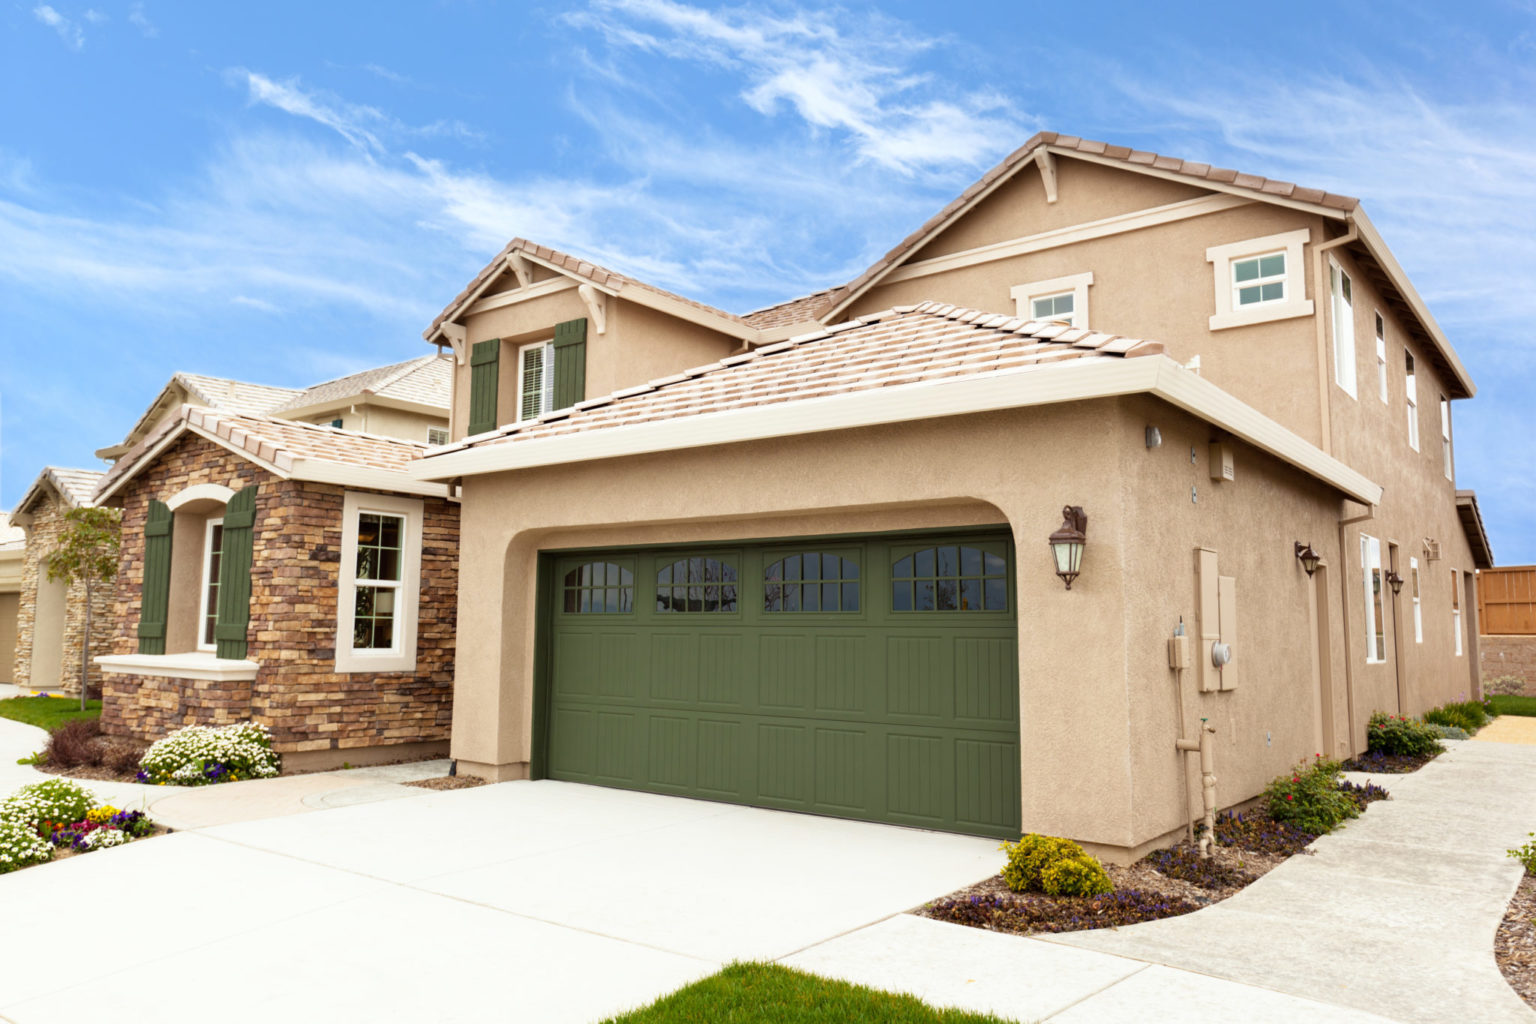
x: 383, y: 420
x: 10, y: 606
x: 52, y: 613
x: 312, y: 709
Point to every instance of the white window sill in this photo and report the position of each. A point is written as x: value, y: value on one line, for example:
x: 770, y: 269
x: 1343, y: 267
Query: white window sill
x: 1260, y: 314
x: 349, y: 662
x: 180, y: 666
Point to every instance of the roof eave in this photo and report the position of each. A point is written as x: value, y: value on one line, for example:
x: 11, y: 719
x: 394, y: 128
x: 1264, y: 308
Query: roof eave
x: 1471, y: 517
x: 361, y: 398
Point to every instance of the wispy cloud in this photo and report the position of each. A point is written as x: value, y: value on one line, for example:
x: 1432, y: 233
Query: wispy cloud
x: 139, y: 20
x: 258, y: 304
x: 351, y: 121
x: 69, y: 31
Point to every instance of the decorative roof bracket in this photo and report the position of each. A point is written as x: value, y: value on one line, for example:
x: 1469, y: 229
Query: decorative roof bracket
x: 597, y: 306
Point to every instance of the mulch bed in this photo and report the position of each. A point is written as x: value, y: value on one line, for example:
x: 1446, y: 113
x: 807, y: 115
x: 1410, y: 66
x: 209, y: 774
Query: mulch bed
x: 1165, y: 883
x: 1388, y: 764
x: 448, y: 782
x: 1514, y: 946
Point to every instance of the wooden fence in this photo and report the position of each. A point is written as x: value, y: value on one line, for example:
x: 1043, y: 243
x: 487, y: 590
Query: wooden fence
x: 1506, y: 601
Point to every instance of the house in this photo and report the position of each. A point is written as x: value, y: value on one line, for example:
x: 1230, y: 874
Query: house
x: 13, y: 550
x: 920, y: 548
x: 51, y: 614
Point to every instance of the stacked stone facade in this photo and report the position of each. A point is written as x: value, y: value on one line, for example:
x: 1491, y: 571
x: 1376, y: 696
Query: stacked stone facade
x: 311, y: 709
x: 42, y: 537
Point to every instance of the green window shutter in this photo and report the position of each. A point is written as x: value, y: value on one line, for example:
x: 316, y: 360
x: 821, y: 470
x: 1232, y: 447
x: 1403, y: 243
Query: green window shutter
x: 234, y: 613
x: 155, y: 596
x: 570, y: 363
x: 484, y: 370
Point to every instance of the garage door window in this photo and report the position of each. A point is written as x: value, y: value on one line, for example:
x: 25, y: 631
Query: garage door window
x: 816, y: 581
x: 697, y: 584
x: 948, y: 579
x: 600, y: 588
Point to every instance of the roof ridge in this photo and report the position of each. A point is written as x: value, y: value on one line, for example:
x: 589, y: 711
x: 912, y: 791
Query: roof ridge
x: 224, y: 416
x: 402, y: 370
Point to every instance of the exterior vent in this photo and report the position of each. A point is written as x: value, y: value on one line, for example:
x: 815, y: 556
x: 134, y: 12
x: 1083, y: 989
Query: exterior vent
x: 1431, y: 550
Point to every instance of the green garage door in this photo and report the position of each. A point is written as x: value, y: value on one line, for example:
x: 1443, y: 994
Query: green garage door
x: 862, y: 677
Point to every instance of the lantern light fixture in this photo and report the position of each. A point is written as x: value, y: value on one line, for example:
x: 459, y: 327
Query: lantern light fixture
x: 1309, y: 559
x: 1395, y: 581
x: 1067, y: 543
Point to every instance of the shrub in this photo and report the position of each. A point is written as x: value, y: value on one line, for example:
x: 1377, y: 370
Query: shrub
x: 1310, y: 798
x: 21, y: 846
x: 1469, y: 715
x: 1056, y: 867
x: 1504, y: 686
x: 200, y: 755
x: 1364, y: 795
x: 55, y: 802
x: 73, y: 744
x: 1526, y: 854
x: 1185, y: 863
x: 1396, y: 734
x: 1448, y: 732
x: 1257, y: 832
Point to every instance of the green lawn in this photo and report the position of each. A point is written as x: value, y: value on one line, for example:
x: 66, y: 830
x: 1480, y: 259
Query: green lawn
x: 47, y: 712
x: 1504, y: 704
x: 747, y: 993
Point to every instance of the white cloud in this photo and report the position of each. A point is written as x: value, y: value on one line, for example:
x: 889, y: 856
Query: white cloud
x: 258, y: 304
x: 139, y: 20
x: 94, y: 16
x: 69, y: 31
x: 347, y: 120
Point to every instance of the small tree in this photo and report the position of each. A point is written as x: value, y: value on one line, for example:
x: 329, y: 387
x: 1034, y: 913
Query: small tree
x: 86, y: 552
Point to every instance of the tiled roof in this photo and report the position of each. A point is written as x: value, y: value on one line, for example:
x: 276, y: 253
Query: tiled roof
x: 427, y: 380
x: 76, y: 486
x: 11, y: 537
x: 793, y: 311
x: 279, y: 443
x: 235, y: 395
x: 1196, y: 172
x: 905, y: 345
x: 577, y: 267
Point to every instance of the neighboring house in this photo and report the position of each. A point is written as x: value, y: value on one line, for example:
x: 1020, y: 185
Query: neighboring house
x: 804, y: 558
x: 13, y: 552
x: 285, y: 572
x: 50, y: 616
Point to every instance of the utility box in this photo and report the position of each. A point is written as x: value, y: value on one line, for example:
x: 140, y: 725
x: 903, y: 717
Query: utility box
x: 1221, y: 462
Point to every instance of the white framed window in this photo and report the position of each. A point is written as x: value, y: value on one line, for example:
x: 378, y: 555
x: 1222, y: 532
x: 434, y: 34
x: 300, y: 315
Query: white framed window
x: 535, y: 379
x: 1418, y: 601
x: 1259, y: 279
x: 1411, y: 390
x: 1341, y: 297
x: 208, y: 599
x: 1375, y: 617
x: 1060, y: 298
x: 1381, y: 357
x: 437, y: 435
x: 379, y: 584
x: 1456, y: 608
x: 1445, y: 437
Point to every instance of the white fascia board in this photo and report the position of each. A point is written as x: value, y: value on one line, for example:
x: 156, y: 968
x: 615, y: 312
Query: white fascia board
x: 360, y: 399
x: 180, y: 666
x: 548, y: 286
x: 1074, y: 380
x: 389, y: 481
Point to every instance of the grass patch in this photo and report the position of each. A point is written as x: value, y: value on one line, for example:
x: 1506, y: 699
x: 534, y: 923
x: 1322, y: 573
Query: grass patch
x: 48, y: 712
x: 748, y: 993
x: 1510, y: 704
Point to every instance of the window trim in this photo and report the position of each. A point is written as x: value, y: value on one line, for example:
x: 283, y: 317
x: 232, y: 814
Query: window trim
x: 1024, y: 295
x: 546, y: 383
x: 1411, y: 394
x: 1456, y: 609
x: 1370, y: 562
x: 202, y: 596
x: 1418, y: 601
x: 1381, y: 356
x: 1221, y: 257
x: 1337, y: 278
x: 1445, y: 438
x: 403, y: 657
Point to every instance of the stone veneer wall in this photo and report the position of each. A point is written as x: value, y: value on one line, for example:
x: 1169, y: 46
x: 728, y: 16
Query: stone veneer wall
x: 1509, y: 656
x: 42, y: 537
x: 309, y: 707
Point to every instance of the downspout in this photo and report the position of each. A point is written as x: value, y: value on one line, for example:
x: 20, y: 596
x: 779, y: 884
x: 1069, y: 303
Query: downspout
x: 1349, y: 643
x: 1320, y: 289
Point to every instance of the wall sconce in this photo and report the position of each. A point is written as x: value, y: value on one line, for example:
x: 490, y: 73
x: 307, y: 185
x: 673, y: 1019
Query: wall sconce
x: 1309, y: 559
x: 1067, y: 543
x: 1394, y: 581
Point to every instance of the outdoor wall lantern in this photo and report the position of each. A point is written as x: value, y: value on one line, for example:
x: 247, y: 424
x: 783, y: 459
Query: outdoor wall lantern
x: 1309, y: 559
x: 1394, y: 581
x: 1067, y: 543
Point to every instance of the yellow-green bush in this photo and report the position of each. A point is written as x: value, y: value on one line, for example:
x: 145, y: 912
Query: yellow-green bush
x: 1054, y: 866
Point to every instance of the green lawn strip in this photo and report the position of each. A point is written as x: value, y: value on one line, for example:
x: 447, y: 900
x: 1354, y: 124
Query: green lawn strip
x: 750, y: 993
x: 47, y: 712
x: 1508, y: 704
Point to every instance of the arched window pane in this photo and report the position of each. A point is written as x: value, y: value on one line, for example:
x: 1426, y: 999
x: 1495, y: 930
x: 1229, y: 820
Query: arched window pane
x: 812, y: 581
x: 950, y: 578
x: 696, y: 584
x: 599, y: 588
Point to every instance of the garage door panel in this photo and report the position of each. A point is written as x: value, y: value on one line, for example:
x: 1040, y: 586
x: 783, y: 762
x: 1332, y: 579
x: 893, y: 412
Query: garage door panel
x: 786, y: 670
x: 674, y: 667
x: 917, y: 775
x: 917, y: 676
x: 573, y: 742
x: 784, y: 763
x: 619, y: 666
x: 842, y: 667
x: 618, y: 746
x: 986, y: 679
x: 670, y: 753
x: 724, y: 669
x: 720, y: 764
x: 987, y: 783
x: 842, y: 770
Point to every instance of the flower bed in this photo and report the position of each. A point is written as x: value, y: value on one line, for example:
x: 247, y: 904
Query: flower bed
x: 59, y: 817
x: 1395, y: 745
x: 201, y: 755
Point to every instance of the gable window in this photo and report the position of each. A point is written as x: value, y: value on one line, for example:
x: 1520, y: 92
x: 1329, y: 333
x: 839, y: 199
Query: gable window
x: 600, y: 588
x: 1259, y: 279
x: 1456, y: 608
x: 1341, y: 295
x: 1445, y: 436
x: 1418, y: 604
x: 1375, y: 620
x: 535, y: 380
x: 816, y: 581
x: 379, y: 584
x: 208, y: 609
x: 437, y: 435
x: 1060, y: 298
x: 696, y: 584
x: 1381, y: 357
x: 1411, y: 389
x: 950, y: 578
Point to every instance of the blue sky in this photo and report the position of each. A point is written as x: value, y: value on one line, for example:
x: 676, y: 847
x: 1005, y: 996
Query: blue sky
x: 284, y: 192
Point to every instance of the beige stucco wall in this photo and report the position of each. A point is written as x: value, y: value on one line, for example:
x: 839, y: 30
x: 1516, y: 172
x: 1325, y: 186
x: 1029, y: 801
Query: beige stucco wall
x: 10, y: 605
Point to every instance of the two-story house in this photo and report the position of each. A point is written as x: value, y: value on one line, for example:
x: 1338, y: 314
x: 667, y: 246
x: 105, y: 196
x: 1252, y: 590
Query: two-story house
x: 913, y: 549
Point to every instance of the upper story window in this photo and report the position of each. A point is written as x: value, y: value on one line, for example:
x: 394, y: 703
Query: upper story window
x: 1445, y: 436
x: 380, y: 583
x: 697, y: 584
x: 1381, y: 357
x: 950, y: 578
x: 1411, y: 389
x: 1060, y: 298
x: 437, y: 435
x: 1418, y: 601
x: 1375, y: 617
x: 600, y: 588
x: 535, y: 379
x: 816, y: 581
x: 208, y: 611
x: 1259, y: 279
x: 1456, y: 608
x: 1341, y: 296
